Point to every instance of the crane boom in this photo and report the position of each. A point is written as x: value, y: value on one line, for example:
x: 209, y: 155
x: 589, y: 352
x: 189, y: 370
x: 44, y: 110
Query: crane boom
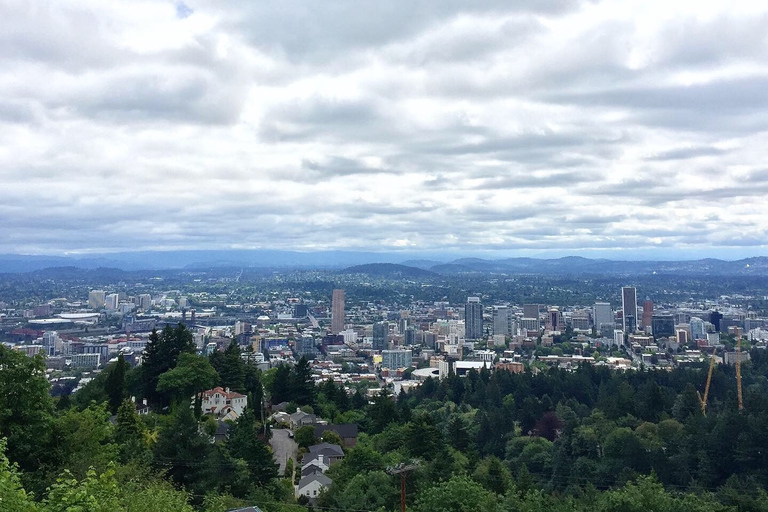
x: 709, y: 381
x: 738, y: 368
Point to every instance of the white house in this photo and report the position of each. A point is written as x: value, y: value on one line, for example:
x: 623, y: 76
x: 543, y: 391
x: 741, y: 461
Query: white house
x: 311, y: 485
x: 223, y: 402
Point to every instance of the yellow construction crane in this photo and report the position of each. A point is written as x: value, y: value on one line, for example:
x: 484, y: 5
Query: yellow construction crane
x: 738, y: 368
x: 709, y: 381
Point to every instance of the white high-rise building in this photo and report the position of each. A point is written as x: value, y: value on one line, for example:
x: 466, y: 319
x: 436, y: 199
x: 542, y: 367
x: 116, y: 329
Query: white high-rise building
x: 111, y: 301
x: 698, y: 330
x: 51, y: 342
x: 145, y: 301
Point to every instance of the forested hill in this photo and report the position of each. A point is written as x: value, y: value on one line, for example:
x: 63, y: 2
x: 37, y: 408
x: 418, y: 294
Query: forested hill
x: 582, y: 440
x: 389, y: 270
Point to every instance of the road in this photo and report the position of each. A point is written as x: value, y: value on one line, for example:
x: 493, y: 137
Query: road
x: 283, y: 447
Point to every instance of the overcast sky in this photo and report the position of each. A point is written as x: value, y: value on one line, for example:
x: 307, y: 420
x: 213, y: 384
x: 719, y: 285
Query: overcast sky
x: 523, y: 127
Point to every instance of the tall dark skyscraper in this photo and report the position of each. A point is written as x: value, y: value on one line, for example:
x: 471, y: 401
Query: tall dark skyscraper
x: 380, y: 335
x: 629, y: 308
x: 473, y: 319
x: 714, y: 318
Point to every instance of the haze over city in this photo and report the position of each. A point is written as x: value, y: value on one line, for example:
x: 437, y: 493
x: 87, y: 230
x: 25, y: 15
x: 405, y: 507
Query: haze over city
x: 626, y: 129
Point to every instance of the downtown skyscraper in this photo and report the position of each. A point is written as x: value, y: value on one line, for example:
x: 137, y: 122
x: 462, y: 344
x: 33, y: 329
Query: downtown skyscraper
x: 473, y: 319
x: 337, y: 311
x: 629, y: 309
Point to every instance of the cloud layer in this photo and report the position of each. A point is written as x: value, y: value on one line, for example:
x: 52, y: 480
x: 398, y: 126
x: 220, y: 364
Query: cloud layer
x: 442, y: 125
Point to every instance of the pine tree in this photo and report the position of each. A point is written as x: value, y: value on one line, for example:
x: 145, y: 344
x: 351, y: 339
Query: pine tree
x: 302, y: 386
x: 246, y: 444
x: 162, y: 354
x: 232, y: 369
x: 281, y: 385
x: 115, y: 383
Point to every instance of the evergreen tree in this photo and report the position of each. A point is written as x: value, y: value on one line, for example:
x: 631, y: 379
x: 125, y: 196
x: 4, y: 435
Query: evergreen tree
x: 162, y: 354
x: 301, y: 385
x: 192, y: 375
x: 281, y: 385
x: 246, y: 443
x: 180, y: 447
x: 130, y: 434
x: 231, y: 368
x: 115, y: 383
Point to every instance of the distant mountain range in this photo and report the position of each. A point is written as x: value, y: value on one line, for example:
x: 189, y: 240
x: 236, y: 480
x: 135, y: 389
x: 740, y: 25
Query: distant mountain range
x: 381, y: 264
x: 390, y: 270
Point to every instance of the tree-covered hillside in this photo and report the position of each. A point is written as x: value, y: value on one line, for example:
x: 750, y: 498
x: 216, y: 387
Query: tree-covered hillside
x: 588, y: 439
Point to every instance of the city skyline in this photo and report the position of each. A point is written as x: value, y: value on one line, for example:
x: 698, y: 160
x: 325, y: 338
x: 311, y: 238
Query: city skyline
x: 538, y: 128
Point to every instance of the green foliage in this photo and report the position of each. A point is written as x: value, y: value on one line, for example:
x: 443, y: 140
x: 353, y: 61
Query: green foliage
x: 26, y: 408
x: 13, y: 497
x: 85, y: 440
x: 192, y: 375
x: 230, y: 367
x: 301, y: 385
x: 247, y: 443
x: 305, y: 436
x: 162, y: 354
x: 114, y: 384
x: 369, y: 490
x: 459, y: 494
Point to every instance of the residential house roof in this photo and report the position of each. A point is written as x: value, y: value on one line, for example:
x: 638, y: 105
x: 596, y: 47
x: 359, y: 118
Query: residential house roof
x: 317, y: 477
x: 331, y: 450
x: 345, y: 430
x: 224, y: 392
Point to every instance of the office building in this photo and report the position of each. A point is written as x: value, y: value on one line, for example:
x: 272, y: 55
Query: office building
x: 97, y: 348
x: 111, y: 301
x: 663, y: 325
x: 145, y: 302
x: 300, y: 311
x: 473, y: 319
x: 51, y: 342
x: 96, y: 299
x: 647, y: 318
x: 530, y: 324
x: 380, y: 335
x: 85, y: 361
x: 555, y: 319
x: 714, y: 318
x: 305, y: 346
x: 602, y: 315
x: 430, y: 339
x: 394, y: 359
x: 531, y: 311
x: 580, y: 321
x: 618, y: 337
x: 337, y: 311
x: 629, y: 309
x: 502, y: 320
x: 698, y: 331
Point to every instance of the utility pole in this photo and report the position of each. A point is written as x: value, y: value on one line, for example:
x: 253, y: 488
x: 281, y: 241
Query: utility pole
x: 402, y: 469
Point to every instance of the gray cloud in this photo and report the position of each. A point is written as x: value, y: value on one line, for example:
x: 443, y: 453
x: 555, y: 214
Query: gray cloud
x: 537, y: 126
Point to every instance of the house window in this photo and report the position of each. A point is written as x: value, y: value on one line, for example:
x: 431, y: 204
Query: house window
x: 314, y: 492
